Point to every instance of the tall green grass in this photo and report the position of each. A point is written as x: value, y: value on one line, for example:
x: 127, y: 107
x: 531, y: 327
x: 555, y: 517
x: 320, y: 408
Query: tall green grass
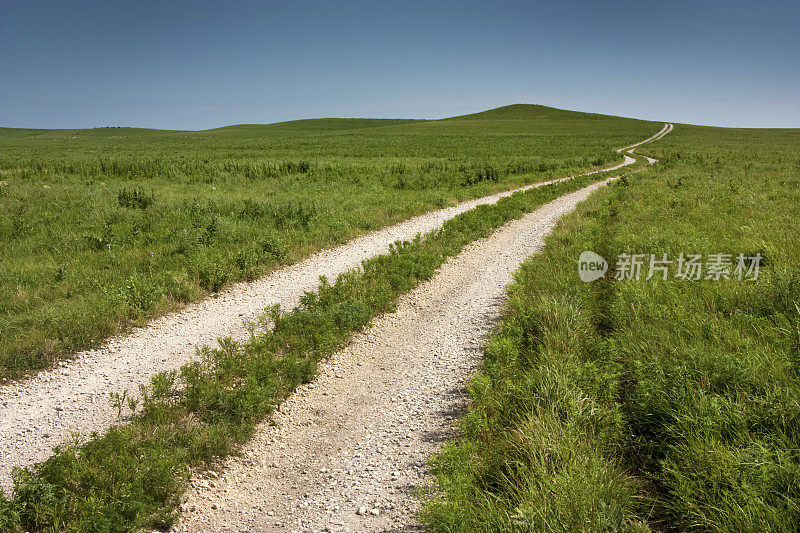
x: 639, y: 405
x: 105, y: 228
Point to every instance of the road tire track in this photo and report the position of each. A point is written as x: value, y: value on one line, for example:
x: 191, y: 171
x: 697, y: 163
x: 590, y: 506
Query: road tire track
x: 347, y: 452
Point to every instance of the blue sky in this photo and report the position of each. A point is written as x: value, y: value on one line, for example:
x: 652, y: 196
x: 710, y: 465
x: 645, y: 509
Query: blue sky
x: 200, y: 64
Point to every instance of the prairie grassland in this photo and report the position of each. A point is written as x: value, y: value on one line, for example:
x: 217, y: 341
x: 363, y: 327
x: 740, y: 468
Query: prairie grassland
x: 108, y: 227
x: 647, y: 405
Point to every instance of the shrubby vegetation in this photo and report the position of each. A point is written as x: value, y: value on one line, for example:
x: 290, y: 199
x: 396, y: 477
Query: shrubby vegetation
x: 108, y: 227
x: 651, y: 404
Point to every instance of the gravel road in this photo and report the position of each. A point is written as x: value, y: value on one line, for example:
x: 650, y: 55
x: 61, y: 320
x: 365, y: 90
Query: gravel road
x: 663, y: 131
x: 45, y: 410
x: 347, y: 452
x: 71, y: 399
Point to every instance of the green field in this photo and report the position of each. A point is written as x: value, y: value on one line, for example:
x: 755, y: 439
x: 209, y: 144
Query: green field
x: 617, y: 405
x: 105, y: 228
x: 624, y: 405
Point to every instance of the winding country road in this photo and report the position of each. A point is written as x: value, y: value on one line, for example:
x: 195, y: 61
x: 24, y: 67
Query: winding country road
x: 43, y: 411
x: 348, y: 452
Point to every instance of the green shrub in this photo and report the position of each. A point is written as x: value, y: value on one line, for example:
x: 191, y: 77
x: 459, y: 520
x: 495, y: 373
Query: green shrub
x: 141, y: 292
x: 135, y: 198
x: 209, y: 270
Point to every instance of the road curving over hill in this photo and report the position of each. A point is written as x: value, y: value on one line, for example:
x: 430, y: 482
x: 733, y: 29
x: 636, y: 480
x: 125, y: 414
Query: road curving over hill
x: 43, y: 411
x: 665, y: 130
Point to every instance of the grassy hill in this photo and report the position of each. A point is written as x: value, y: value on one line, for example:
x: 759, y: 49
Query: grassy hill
x: 528, y: 112
x: 108, y: 227
x: 312, y: 125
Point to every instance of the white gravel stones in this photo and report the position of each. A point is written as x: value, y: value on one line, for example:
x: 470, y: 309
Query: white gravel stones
x: 379, y: 407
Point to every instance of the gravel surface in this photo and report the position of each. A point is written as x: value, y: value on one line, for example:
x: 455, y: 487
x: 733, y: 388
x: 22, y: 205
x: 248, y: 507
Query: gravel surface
x: 71, y: 399
x: 346, y: 452
x: 663, y: 131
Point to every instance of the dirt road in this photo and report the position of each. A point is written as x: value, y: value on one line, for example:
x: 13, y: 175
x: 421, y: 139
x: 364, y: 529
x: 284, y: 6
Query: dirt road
x: 348, y: 451
x: 45, y: 410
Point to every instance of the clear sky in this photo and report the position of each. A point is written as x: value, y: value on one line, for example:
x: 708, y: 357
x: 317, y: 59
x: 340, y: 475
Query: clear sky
x: 202, y: 64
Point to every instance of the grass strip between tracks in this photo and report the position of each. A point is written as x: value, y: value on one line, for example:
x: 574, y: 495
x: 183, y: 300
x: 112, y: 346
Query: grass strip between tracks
x: 133, y: 475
